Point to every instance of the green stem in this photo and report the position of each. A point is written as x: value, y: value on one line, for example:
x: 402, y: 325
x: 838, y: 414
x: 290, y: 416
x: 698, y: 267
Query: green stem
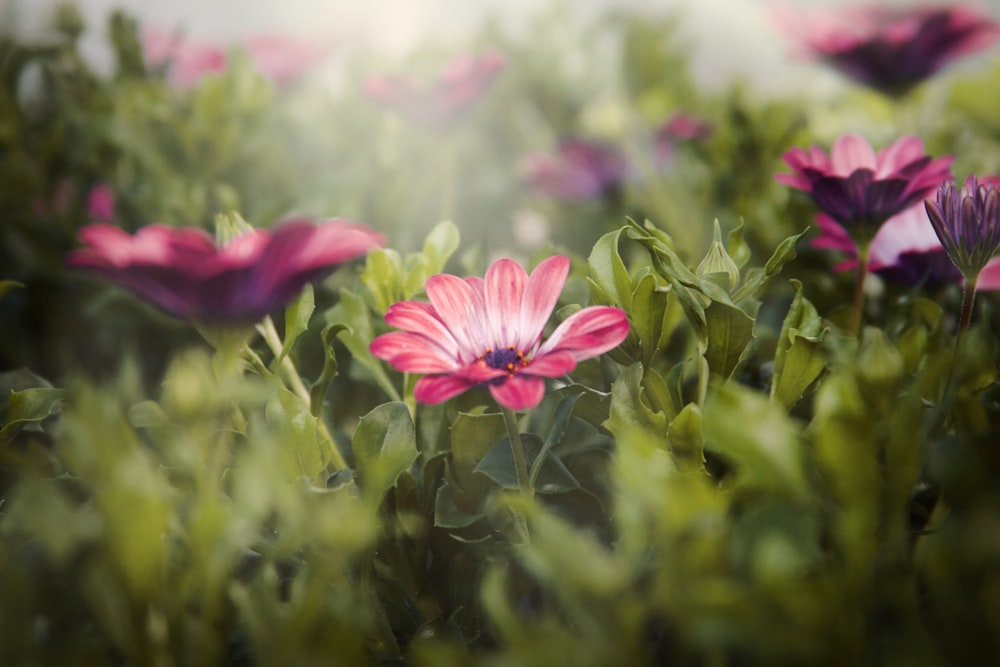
x: 857, y: 315
x: 517, y: 447
x: 964, y: 320
x: 291, y: 374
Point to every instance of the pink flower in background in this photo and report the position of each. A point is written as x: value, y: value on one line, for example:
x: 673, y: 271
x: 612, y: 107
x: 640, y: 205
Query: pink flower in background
x: 101, y: 203
x: 459, y: 85
x: 280, y: 58
x: 580, y: 169
x: 182, y: 271
x: 890, y: 49
x: 860, y: 188
x: 488, y: 332
x: 679, y: 128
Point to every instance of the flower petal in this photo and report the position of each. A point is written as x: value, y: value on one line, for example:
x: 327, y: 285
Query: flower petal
x: 434, y: 389
x: 850, y: 153
x: 505, y: 281
x: 412, y: 353
x: 520, y: 392
x: 588, y: 333
x: 540, y: 296
x: 455, y: 301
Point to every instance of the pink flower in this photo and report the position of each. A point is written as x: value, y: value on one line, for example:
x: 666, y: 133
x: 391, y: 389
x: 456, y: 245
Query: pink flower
x: 101, y: 203
x: 890, y: 49
x: 679, y: 128
x: 580, y: 169
x: 283, y: 59
x: 182, y: 271
x: 859, y: 188
x: 488, y: 332
x: 440, y: 102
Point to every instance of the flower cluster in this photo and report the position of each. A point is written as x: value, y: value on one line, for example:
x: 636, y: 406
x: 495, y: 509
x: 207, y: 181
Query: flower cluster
x: 488, y: 332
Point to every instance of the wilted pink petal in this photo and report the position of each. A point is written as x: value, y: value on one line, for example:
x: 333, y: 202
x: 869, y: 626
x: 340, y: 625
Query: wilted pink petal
x: 492, y: 334
x: 183, y: 272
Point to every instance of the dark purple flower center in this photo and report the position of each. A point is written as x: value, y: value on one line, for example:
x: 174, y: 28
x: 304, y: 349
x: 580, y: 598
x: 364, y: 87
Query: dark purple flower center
x: 507, y: 359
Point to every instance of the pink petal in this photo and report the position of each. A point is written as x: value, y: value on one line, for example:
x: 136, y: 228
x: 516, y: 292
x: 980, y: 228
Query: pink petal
x: 520, y: 392
x: 989, y: 277
x: 505, y: 281
x: 412, y: 353
x: 540, y: 296
x: 588, y: 332
x: 421, y: 318
x: 551, y: 365
x: 892, y: 158
x: 434, y: 389
x: 849, y: 153
x: 455, y: 302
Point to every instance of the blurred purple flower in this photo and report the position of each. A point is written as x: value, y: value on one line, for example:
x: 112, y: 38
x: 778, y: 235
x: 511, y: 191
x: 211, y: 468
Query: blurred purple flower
x: 182, y: 271
x: 440, y: 102
x: 861, y: 189
x: 679, y: 128
x: 580, y: 169
x: 101, y: 203
x: 967, y: 222
x: 890, y: 49
x: 487, y: 332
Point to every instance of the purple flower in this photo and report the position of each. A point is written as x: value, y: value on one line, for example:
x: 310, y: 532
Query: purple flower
x: 440, y: 102
x: 101, y: 203
x: 890, y: 49
x: 488, y: 332
x: 967, y: 222
x: 182, y: 271
x: 861, y: 189
x: 580, y: 169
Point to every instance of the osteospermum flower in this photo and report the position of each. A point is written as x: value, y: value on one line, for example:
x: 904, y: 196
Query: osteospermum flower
x: 967, y: 222
x: 861, y: 189
x: 679, y: 128
x: 183, y: 271
x: 459, y: 85
x: 890, y: 49
x: 488, y: 332
x: 579, y: 169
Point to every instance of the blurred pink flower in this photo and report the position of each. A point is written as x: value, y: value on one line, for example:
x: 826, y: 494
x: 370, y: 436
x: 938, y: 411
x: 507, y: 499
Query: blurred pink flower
x: 459, y: 84
x: 182, y: 271
x: 890, y: 49
x: 580, y: 169
x: 679, y: 128
x: 860, y: 188
x: 101, y: 203
x: 488, y: 332
x: 280, y: 58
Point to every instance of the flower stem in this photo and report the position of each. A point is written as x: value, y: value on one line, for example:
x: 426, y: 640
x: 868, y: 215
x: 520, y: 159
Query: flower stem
x: 964, y: 320
x: 517, y: 447
x: 273, y: 340
x: 857, y: 315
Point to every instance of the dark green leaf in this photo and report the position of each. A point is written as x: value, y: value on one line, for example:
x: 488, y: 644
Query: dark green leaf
x: 384, y: 445
x: 729, y: 331
x: 498, y: 465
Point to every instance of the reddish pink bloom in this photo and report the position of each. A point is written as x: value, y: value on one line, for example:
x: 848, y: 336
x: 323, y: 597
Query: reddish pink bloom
x: 182, y: 271
x: 680, y: 127
x: 101, y: 203
x: 890, y: 49
x: 580, y: 169
x: 860, y: 188
x: 460, y: 84
x: 283, y: 59
x: 488, y: 332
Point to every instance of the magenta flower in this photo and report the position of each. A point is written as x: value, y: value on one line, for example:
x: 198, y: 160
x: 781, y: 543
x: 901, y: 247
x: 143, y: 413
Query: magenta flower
x: 284, y: 59
x: 967, y: 222
x: 580, y: 169
x: 488, y: 332
x: 182, y: 271
x: 890, y: 49
x: 101, y: 203
x: 859, y: 188
x: 679, y: 128
x: 459, y: 85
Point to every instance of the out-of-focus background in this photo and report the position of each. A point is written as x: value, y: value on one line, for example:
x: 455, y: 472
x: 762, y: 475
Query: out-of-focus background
x: 728, y: 38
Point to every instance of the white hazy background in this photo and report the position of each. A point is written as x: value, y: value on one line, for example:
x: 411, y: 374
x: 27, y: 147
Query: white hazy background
x: 728, y: 38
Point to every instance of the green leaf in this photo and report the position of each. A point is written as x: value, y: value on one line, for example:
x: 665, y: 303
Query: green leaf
x: 297, y: 316
x: 318, y: 390
x: 357, y: 333
x: 440, y: 245
x: 498, y: 465
x: 629, y: 409
x: 301, y: 453
x: 798, y: 359
x: 758, y: 279
x: 447, y: 513
x: 757, y: 437
x: 8, y: 285
x: 384, y: 445
x: 685, y: 437
x: 563, y: 412
x: 28, y: 406
x: 737, y: 246
x: 729, y: 331
x: 382, y: 276
x: 650, y: 317
x: 472, y: 436
x: 608, y: 272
